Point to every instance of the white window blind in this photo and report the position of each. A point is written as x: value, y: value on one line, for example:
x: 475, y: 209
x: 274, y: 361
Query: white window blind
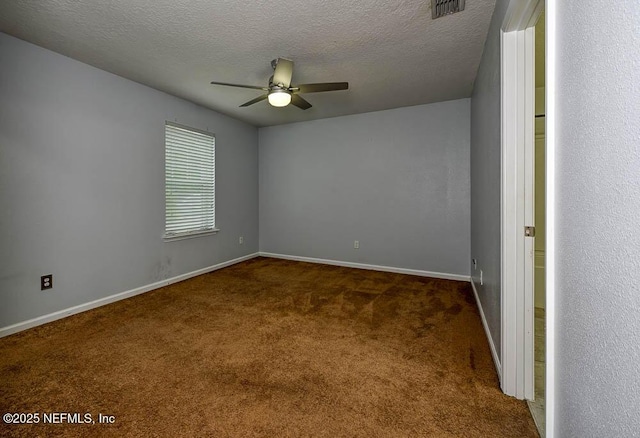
x: 189, y: 181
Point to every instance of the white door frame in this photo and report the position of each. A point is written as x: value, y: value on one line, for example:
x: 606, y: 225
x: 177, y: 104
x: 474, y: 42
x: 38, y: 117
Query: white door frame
x: 517, y: 63
x: 517, y: 41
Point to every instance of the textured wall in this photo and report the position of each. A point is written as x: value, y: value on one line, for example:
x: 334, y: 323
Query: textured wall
x: 485, y: 176
x: 597, y: 210
x: 82, y: 184
x: 396, y: 180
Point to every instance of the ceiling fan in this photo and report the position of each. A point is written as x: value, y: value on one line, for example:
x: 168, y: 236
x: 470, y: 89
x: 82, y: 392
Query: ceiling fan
x: 281, y: 93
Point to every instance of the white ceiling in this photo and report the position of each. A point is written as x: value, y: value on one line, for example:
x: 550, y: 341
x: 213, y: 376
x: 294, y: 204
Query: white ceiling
x: 391, y: 52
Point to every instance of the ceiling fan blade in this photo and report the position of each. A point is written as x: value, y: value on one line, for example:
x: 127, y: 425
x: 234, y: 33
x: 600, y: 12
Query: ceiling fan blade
x: 326, y: 86
x: 300, y: 102
x: 240, y: 86
x: 256, y: 100
x: 283, y: 72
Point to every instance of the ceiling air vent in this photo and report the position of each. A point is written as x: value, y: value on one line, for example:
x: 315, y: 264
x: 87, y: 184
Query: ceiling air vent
x: 440, y: 8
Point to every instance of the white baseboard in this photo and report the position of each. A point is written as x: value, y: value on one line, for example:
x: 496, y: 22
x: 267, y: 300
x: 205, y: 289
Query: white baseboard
x: 496, y: 360
x: 418, y: 272
x: 18, y: 327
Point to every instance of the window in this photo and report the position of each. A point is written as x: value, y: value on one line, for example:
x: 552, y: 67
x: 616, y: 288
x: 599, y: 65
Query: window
x: 189, y: 182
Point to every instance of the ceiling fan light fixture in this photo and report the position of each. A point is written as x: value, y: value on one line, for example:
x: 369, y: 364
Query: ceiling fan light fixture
x: 279, y: 98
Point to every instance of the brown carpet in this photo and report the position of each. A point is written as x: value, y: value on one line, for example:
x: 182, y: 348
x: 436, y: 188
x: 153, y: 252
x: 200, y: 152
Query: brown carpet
x: 268, y: 348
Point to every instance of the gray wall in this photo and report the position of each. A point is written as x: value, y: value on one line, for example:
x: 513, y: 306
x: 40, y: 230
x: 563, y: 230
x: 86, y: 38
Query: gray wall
x: 485, y: 176
x: 396, y: 180
x: 82, y: 184
x: 597, y: 213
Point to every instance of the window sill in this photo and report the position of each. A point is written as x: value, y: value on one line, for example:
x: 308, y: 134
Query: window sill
x: 174, y: 237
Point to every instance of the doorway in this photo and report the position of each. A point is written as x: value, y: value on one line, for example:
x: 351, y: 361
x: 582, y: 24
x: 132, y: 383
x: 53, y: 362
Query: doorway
x: 518, y: 146
x: 537, y: 404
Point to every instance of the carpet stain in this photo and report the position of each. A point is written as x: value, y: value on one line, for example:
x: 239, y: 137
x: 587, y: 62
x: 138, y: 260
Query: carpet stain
x: 472, y: 358
x: 267, y: 348
x: 454, y: 309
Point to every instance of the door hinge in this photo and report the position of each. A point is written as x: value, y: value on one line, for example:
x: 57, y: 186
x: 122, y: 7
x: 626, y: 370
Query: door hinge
x: 529, y: 231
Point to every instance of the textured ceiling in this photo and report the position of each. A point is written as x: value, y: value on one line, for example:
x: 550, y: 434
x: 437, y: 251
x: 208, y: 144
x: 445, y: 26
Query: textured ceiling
x: 391, y: 52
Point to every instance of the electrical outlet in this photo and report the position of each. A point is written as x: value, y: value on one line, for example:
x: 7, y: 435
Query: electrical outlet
x: 475, y: 264
x: 46, y: 282
x: 241, y: 240
x: 356, y: 244
x: 481, y: 282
